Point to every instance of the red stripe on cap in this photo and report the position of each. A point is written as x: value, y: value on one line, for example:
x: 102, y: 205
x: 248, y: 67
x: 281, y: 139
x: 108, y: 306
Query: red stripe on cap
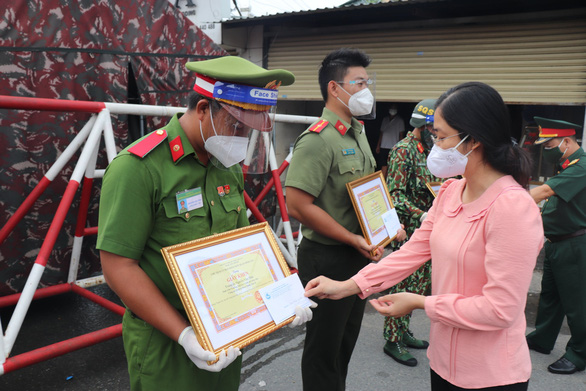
x: 549, y: 132
x: 209, y: 93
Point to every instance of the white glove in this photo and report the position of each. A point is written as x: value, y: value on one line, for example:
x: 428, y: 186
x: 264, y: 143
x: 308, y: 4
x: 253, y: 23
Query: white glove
x: 303, y: 314
x: 423, y: 217
x: 195, y: 352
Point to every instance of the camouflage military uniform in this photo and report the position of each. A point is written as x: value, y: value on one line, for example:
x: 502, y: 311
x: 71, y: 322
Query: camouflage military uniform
x: 408, y: 175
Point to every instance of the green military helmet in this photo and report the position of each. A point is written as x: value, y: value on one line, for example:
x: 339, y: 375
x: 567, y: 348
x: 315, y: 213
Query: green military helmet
x: 421, y: 111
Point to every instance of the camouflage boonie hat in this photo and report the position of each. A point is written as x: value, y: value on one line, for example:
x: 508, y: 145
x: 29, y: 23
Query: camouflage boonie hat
x: 421, y: 112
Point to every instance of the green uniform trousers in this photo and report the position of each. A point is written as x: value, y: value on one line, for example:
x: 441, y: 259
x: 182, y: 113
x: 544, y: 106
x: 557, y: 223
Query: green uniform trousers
x: 155, y: 362
x: 563, y: 293
x: 332, y: 333
x: 420, y: 283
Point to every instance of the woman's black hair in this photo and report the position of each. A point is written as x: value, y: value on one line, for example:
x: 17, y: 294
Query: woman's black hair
x: 478, y: 110
x: 336, y: 64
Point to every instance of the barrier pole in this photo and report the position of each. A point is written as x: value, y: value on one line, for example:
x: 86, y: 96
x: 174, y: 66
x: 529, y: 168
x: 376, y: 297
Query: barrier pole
x: 41, y: 293
x: 253, y: 209
x: 108, y: 140
x: 271, y: 181
x: 3, y: 353
x: 282, y: 204
x: 47, y: 179
x: 80, y: 231
x: 37, y: 271
x: 107, y: 304
x: 60, y: 348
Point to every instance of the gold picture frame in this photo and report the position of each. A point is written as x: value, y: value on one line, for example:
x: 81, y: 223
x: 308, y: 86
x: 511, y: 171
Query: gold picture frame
x: 434, y: 187
x: 218, y: 277
x: 370, y: 198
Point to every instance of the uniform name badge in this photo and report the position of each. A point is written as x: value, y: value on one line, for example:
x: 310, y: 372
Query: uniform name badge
x: 189, y: 200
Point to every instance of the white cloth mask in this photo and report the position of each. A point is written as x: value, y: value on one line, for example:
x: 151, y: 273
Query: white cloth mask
x: 392, y: 112
x: 359, y: 103
x: 447, y: 163
x: 229, y: 150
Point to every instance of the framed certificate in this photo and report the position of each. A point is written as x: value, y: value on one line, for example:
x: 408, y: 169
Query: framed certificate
x: 218, y: 279
x: 371, y: 200
x: 434, y: 187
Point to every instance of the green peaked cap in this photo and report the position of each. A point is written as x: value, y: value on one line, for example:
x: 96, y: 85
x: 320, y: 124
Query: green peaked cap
x: 234, y: 69
x: 552, y: 128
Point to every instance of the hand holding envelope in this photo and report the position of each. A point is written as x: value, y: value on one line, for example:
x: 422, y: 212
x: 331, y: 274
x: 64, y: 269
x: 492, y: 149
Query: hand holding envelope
x: 303, y: 314
x: 285, y: 299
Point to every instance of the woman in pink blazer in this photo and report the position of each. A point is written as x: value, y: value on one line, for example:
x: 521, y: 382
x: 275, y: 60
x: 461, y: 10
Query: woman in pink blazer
x: 483, y: 235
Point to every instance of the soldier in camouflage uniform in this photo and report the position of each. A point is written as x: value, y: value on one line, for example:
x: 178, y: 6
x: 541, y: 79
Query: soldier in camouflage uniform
x: 406, y: 180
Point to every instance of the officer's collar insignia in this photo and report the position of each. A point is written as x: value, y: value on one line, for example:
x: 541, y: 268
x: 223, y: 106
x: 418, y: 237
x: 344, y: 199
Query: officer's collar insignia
x: 340, y: 127
x: 176, y: 148
x: 568, y: 163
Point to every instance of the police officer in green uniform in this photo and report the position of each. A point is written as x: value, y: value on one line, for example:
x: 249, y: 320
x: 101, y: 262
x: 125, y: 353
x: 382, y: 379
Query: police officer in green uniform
x: 193, y: 159
x: 330, y: 153
x: 563, y: 291
x: 407, y: 183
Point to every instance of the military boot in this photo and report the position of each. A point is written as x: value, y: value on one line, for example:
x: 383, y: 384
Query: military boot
x: 398, y: 352
x: 412, y: 342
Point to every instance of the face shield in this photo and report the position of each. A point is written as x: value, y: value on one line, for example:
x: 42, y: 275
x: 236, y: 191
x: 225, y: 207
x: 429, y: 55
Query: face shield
x: 240, y: 136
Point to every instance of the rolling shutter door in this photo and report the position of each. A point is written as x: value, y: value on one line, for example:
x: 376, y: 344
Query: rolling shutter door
x: 528, y: 63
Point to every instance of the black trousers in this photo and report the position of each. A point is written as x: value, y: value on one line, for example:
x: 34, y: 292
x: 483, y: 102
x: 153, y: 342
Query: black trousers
x: 439, y: 384
x: 332, y: 333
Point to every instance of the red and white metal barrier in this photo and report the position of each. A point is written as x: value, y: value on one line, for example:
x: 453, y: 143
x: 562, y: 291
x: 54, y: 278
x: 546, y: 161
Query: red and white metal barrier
x: 98, y: 125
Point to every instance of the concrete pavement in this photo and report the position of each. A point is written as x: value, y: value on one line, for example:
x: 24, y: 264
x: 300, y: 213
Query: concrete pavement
x: 272, y: 363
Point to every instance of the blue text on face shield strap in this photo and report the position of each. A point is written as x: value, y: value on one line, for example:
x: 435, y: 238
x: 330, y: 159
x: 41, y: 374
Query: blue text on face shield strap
x: 245, y: 94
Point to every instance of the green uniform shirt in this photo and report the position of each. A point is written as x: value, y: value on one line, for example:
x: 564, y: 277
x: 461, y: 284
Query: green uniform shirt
x: 406, y: 180
x: 139, y: 211
x: 323, y: 162
x: 565, y: 212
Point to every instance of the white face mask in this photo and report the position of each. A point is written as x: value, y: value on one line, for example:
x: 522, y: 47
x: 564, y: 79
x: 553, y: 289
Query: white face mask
x: 360, y: 103
x: 229, y: 150
x: 392, y: 112
x: 446, y: 163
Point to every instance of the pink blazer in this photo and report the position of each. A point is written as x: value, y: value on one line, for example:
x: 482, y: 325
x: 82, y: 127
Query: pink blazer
x: 483, y: 255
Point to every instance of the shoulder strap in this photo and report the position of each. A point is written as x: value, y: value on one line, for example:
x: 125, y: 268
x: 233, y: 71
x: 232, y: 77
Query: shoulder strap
x: 148, y: 143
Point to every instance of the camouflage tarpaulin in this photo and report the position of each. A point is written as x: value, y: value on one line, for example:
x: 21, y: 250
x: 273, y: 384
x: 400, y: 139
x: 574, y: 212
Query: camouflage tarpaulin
x: 79, y: 50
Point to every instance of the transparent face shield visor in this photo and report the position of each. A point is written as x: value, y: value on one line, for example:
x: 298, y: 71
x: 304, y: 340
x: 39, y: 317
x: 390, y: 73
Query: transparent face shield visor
x: 241, y: 137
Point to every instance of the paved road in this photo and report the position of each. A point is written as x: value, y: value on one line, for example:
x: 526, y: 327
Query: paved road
x: 270, y: 364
